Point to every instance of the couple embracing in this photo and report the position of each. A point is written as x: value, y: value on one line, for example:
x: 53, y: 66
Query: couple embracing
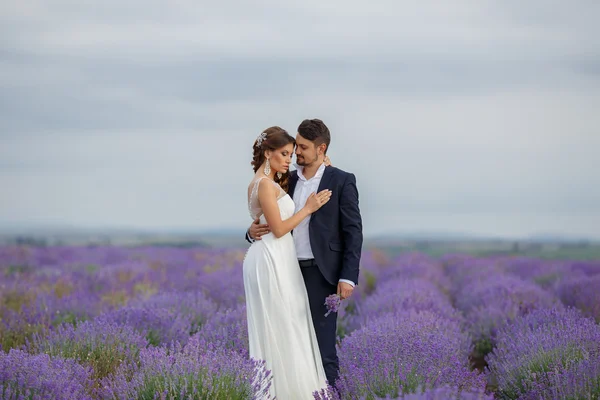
x: 306, y: 245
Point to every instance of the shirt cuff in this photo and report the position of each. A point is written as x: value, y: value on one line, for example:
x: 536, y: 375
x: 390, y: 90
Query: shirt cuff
x: 248, y: 238
x: 348, y: 282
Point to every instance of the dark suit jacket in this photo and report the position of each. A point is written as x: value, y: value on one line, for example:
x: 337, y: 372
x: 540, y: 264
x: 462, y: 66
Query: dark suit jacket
x: 335, y: 230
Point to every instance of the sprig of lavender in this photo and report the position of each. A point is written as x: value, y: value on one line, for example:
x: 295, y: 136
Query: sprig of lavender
x: 333, y: 303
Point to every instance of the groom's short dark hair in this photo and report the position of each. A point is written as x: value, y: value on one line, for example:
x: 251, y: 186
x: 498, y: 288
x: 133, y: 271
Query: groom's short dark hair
x: 315, y: 131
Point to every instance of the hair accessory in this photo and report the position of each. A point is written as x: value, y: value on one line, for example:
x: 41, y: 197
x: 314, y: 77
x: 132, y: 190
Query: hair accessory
x: 260, y: 139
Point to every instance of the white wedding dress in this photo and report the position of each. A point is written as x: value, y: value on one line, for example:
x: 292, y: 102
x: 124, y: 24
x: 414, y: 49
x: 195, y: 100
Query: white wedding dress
x: 280, y: 327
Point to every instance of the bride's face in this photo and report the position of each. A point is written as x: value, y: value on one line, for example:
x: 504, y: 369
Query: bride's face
x: 281, y: 159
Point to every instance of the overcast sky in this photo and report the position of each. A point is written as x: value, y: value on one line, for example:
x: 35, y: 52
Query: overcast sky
x: 471, y: 116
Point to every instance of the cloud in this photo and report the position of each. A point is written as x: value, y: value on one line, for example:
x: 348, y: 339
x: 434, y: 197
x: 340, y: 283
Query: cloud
x: 142, y: 113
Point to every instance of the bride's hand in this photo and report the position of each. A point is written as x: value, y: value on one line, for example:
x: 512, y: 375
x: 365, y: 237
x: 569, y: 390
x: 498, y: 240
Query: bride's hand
x: 316, y: 201
x: 327, y: 161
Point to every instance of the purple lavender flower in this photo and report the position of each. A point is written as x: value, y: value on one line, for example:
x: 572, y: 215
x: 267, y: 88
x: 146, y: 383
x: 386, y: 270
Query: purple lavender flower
x: 449, y: 393
x: 228, y: 329
x: 100, y: 344
x: 194, y: 307
x: 440, y: 393
x: 390, y: 356
x: 224, y: 285
x: 589, y: 268
x: 333, y: 303
x: 544, y: 273
x: 576, y: 380
x: 18, y: 328
x: 582, y: 292
x: 400, y: 295
x: 546, y: 348
x: 198, y: 370
x: 415, y: 266
x: 489, y: 302
x: 158, y: 326
x: 38, y: 376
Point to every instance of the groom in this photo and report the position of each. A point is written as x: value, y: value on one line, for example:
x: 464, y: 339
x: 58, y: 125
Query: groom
x: 328, y: 243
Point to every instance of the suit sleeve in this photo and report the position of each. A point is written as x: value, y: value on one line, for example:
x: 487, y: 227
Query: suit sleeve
x: 351, y: 225
x: 248, y: 238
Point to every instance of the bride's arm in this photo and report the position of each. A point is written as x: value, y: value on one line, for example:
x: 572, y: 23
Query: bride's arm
x: 267, y: 196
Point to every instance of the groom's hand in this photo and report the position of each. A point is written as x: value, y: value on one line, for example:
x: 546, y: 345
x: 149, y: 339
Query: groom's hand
x: 257, y: 229
x: 344, y: 290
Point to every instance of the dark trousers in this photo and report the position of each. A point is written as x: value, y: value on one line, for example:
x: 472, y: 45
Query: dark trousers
x: 325, y: 327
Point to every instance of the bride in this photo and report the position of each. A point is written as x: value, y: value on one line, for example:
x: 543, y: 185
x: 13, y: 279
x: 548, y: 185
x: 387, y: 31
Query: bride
x: 280, y: 327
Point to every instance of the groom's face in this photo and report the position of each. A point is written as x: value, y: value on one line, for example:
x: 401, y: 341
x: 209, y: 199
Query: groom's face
x: 306, y: 151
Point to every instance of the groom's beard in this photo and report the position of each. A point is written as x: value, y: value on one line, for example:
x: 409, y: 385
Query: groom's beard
x: 304, y: 163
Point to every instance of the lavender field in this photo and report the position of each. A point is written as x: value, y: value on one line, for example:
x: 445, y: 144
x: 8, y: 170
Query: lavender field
x: 169, y: 323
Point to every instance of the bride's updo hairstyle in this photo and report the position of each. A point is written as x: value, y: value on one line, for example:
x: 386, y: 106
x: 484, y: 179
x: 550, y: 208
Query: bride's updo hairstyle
x: 274, y: 139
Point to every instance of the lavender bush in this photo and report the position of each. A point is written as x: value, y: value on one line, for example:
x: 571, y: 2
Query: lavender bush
x: 193, y: 307
x: 582, y: 292
x: 18, y: 328
x: 227, y: 328
x: 439, y: 393
x: 39, y: 376
x: 157, y: 325
x: 415, y: 266
x: 543, y: 355
x: 199, y: 370
x: 449, y: 393
x: 589, y: 268
x: 492, y: 301
x: 102, y: 345
x: 390, y: 356
x: 397, y: 295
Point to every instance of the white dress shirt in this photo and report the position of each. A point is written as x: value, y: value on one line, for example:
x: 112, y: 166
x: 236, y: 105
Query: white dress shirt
x: 303, y: 190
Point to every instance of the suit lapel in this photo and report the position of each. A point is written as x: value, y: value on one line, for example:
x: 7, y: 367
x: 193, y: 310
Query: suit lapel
x: 325, y: 179
x: 293, y: 182
x: 292, y: 187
